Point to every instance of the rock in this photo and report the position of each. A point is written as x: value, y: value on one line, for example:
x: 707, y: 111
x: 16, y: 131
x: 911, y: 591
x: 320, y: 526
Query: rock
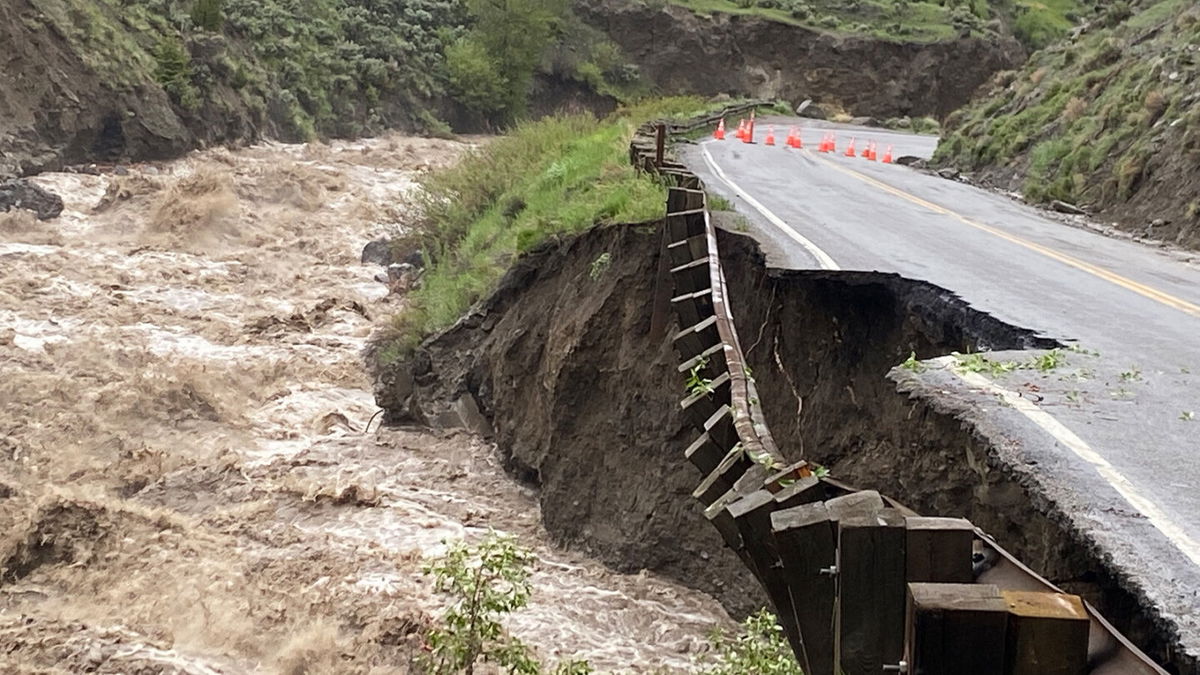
x: 911, y: 160
x: 1158, y: 222
x: 812, y: 111
x: 1064, y: 207
x: 949, y: 173
x: 378, y: 251
x: 403, y: 276
x: 864, y: 121
x: 416, y: 259
x: 22, y: 194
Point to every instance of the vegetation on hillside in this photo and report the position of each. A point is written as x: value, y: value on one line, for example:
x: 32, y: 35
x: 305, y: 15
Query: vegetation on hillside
x: 1035, y: 23
x: 559, y: 175
x: 335, y: 67
x: 1110, y: 120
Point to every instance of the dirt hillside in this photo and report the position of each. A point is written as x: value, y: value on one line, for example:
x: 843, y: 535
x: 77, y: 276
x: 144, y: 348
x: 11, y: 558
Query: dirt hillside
x: 681, y: 51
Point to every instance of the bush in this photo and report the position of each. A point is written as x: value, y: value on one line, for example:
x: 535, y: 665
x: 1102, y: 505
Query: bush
x: 474, y: 79
x: 761, y: 649
x: 174, y: 73
x: 485, y: 583
x: 207, y: 15
x: 801, y: 11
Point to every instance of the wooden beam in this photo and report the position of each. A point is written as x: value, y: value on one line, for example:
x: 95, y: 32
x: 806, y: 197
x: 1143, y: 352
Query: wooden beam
x: 752, y: 514
x: 955, y: 629
x: 1047, y: 634
x: 871, y: 591
x: 804, y: 537
x: 939, y: 550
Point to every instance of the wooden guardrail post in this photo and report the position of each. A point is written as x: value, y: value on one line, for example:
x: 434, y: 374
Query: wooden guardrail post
x: 1047, y: 634
x: 660, y: 142
x: 955, y: 629
x: 804, y: 537
x: 871, y: 587
x: 939, y: 550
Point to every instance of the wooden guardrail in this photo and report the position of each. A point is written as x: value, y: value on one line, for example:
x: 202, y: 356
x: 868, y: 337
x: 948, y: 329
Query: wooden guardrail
x: 860, y: 584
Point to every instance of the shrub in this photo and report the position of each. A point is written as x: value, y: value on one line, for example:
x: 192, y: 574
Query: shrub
x: 207, y: 15
x: 173, y: 72
x: 761, y: 649
x: 801, y: 11
x: 475, y: 81
x: 485, y: 583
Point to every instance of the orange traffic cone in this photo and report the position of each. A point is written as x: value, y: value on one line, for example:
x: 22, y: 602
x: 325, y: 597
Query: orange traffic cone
x: 748, y: 134
x: 869, y: 153
x: 824, y: 146
x: 866, y: 152
x: 770, y: 139
x: 719, y: 134
x: 793, y: 139
x: 850, y: 149
x: 741, y: 128
x: 887, y: 155
x: 799, y: 142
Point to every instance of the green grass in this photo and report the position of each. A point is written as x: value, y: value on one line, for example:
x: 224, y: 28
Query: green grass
x: 919, y: 22
x: 1036, y: 23
x: 1081, y: 120
x: 559, y: 175
x: 1041, y: 22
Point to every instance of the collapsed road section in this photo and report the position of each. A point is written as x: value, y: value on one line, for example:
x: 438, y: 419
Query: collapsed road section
x: 567, y: 366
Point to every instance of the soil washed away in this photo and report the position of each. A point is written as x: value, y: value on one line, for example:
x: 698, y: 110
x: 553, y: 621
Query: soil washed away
x: 187, y: 483
x: 584, y: 401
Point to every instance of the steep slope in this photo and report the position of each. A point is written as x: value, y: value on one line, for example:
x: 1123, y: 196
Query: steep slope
x: 100, y: 80
x: 681, y: 50
x: 1109, y: 120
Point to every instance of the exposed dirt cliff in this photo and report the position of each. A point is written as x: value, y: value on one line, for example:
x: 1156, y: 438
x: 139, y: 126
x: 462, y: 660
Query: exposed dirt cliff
x: 684, y: 52
x: 559, y: 367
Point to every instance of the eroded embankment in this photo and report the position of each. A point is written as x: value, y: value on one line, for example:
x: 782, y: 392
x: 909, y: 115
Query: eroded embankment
x: 584, y: 402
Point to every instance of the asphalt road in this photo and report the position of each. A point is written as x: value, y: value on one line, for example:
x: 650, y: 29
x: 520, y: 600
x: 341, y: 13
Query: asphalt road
x: 1117, y: 434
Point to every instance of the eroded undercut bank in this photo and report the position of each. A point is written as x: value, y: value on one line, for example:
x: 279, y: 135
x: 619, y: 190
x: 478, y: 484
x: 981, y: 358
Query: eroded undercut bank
x: 560, y: 367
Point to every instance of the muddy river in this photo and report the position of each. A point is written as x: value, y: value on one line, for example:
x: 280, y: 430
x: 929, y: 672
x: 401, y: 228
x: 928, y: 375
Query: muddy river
x: 188, y: 483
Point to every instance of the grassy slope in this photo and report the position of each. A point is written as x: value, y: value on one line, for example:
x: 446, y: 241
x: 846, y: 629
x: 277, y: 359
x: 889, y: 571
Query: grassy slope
x: 320, y: 67
x: 1110, y: 120
x: 556, y: 176
x: 1034, y: 22
x: 302, y: 68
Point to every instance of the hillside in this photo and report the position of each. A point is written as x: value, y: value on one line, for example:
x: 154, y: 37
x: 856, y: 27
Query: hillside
x: 1035, y: 24
x: 104, y: 80
x: 682, y: 51
x: 1108, y: 120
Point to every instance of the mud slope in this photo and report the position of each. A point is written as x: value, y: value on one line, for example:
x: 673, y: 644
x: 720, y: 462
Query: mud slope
x: 584, y: 404
x: 682, y: 52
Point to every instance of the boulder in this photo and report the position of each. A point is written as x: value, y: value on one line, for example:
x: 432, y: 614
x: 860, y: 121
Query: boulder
x: 22, y: 194
x: 1066, y: 207
x: 378, y: 252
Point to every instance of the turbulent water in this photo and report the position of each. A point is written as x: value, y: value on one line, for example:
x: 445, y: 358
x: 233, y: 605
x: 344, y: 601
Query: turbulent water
x: 188, y: 483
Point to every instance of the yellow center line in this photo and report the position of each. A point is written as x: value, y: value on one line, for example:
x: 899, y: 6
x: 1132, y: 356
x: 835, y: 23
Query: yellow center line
x: 1124, y: 282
